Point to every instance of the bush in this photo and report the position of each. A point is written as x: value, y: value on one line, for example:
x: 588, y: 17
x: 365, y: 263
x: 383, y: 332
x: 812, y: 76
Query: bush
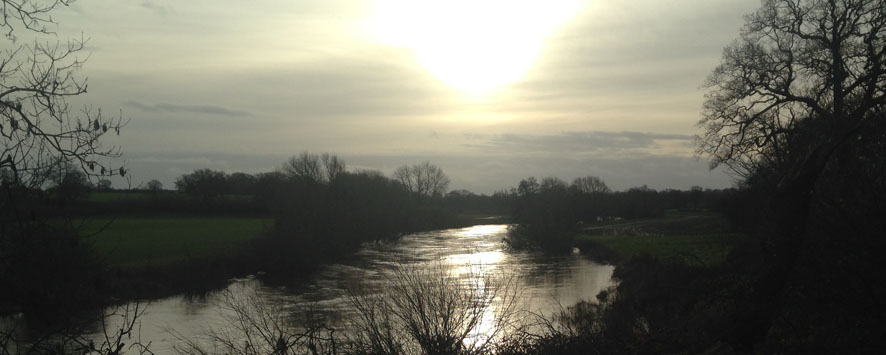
x: 422, y: 310
x: 434, y: 311
x: 40, y: 262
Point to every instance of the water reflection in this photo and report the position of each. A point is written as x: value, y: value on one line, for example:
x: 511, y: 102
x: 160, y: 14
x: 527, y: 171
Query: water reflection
x: 472, y: 255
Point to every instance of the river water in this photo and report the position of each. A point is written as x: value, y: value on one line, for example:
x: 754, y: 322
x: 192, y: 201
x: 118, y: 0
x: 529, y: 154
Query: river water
x: 547, y: 283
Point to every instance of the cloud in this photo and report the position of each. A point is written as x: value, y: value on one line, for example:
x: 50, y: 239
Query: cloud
x: 344, y: 88
x: 158, y: 9
x: 174, y: 108
x: 636, y: 59
x: 597, y: 100
x: 574, y: 142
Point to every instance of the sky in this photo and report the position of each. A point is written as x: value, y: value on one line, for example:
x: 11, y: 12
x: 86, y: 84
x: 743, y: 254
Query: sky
x: 490, y: 91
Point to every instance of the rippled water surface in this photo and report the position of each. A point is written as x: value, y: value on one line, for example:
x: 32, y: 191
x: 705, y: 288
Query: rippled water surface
x: 546, y: 282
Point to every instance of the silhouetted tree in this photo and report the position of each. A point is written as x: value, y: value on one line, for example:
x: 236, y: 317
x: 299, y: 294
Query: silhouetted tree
x: 545, y: 215
x: 205, y: 183
x: 69, y: 184
x: 590, y: 185
x: 103, y: 185
x: 552, y: 183
x: 424, y: 179
x: 44, y: 140
x: 304, y: 165
x: 241, y: 183
x: 38, y: 130
x: 6, y: 177
x: 810, y: 70
x: 320, y: 168
x: 332, y: 166
x: 804, y: 82
x: 527, y: 186
x: 154, y: 186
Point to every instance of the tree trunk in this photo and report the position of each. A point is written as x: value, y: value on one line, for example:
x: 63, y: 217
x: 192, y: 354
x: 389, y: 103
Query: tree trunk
x: 791, y: 204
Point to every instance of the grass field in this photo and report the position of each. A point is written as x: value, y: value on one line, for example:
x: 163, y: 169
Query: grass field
x: 704, y: 249
x: 166, y: 195
x: 690, y: 238
x: 131, y: 242
x: 106, y: 196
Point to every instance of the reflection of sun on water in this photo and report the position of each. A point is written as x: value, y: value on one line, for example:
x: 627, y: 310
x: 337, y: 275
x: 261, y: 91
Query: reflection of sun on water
x: 477, y: 261
x: 483, y: 230
x: 481, y: 259
x: 473, y: 46
x: 480, y: 271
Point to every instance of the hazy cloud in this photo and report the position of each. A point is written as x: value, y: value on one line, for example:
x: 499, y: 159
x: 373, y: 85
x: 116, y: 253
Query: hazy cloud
x: 575, y: 141
x: 599, y: 96
x: 158, y: 9
x: 344, y: 88
x: 174, y: 108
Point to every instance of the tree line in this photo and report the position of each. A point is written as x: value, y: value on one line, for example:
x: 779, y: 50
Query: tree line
x: 549, y: 213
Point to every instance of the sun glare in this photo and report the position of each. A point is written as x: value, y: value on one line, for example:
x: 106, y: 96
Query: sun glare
x: 473, y: 46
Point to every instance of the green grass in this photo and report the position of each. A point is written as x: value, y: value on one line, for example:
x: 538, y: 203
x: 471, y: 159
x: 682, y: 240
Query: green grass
x: 690, y: 237
x: 130, y: 242
x: 704, y: 249
x: 107, y: 196
x: 166, y: 195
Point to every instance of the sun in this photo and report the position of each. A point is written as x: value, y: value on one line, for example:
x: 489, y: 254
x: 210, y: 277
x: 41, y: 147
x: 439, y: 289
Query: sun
x: 473, y: 46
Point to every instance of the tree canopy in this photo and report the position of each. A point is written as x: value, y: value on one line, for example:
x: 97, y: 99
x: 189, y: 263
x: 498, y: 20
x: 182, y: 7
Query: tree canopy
x: 804, y: 77
x: 798, y: 100
x: 322, y: 168
x: 39, y: 130
x: 425, y: 179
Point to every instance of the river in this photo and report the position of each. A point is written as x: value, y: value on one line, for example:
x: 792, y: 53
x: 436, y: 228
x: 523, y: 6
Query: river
x: 547, y: 283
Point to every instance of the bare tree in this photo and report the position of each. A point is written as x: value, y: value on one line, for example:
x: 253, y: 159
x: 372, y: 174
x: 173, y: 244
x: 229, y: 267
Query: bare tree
x: 320, y: 168
x: 304, y: 165
x: 253, y: 325
x: 122, y: 338
x: 425, y: 179
x: 39, y: 130
x: 801, y: 68
x: 430, y: 310
x: 332, y: 166
x: 590, y: 185
x: 804, y: 81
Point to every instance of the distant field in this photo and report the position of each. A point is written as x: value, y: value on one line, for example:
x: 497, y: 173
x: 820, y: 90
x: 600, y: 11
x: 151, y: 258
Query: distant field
x: 122, y: 195
x: 686, y: 237
x: 103, y: 196
x: 145, y: 241
x: 706, y: 249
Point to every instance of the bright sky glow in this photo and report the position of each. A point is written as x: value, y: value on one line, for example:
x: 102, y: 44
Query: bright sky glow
x: 492, y: 91
x: 472, y: 46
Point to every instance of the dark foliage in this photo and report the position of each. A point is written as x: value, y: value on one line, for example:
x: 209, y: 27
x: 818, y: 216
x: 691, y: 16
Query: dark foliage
x: 205, y: 183
x: 548, y: 214
x: 545, y: 215
x: 464, y: 201
x: 318, y: 222
x: 48, y: 271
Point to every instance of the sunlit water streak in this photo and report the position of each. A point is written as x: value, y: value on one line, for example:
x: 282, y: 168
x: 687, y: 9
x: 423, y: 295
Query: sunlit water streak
x: 546, y: 283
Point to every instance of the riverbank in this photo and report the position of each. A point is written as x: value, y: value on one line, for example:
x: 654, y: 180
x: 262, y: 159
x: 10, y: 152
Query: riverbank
x: 675, y: 275
x: 694, y: 238
x: 151, y: 257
